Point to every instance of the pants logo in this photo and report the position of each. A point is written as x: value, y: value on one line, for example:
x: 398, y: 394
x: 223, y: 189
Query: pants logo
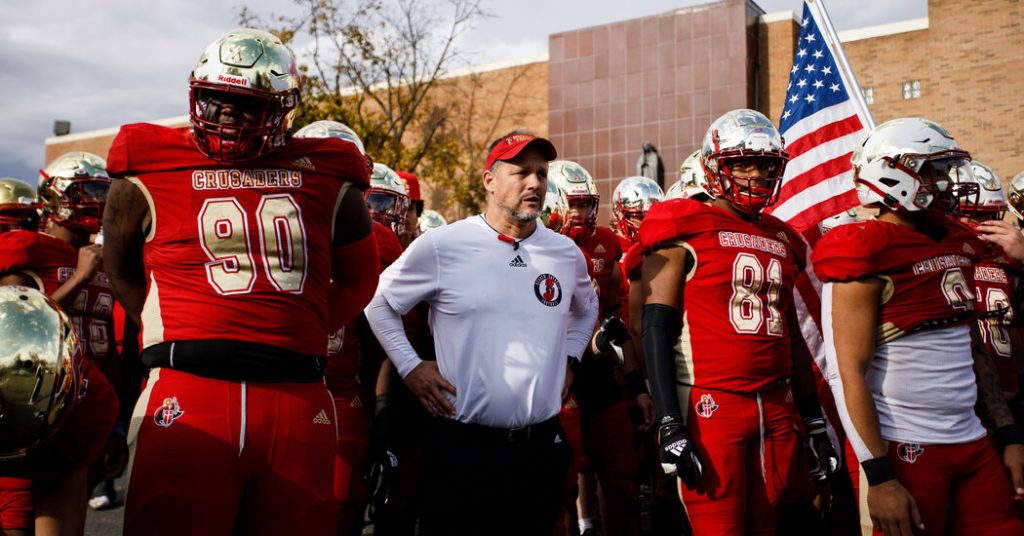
x: 707, y: 406
x: 909, y: 452
x: 168, y: 412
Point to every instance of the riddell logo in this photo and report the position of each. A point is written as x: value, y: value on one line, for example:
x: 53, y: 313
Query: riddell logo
x: 233, y: 80
x: 517, y: 262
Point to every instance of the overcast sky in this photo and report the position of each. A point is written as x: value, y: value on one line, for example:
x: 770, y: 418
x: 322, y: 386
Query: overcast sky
x: 102, y: 63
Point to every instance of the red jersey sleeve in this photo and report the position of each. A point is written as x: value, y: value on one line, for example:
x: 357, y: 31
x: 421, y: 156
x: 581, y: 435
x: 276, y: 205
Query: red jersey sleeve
x: 633, y: 263
x: 675, y: 219
x: 15, y: 249
x: 848, y: 252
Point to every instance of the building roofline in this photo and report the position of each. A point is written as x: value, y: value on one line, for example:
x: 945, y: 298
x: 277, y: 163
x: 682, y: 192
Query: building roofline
x: 892, y: 28
x: 777, y: 16
x: 176, y: 121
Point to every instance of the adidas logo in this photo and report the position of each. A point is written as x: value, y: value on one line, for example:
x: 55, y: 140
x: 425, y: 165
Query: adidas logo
x: 600, y: 249
x: 517, y: 262
x: 321, y: 418
x: 304, y: 163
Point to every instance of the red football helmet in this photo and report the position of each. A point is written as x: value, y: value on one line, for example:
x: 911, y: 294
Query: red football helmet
x: 252, y: 75
x: 73, y: 191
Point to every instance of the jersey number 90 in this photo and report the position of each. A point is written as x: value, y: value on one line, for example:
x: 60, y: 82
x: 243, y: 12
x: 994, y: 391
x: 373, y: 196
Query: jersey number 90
x: 225, y: 238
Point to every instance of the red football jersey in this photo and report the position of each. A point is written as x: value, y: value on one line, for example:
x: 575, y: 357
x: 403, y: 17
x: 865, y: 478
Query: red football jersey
x: 237, y: 251
x: 602, y: 249
x: 737, y: 294
x: 995, y: 278
x: 344, y: 347
x: 51, y: 262
x: 928, y: 283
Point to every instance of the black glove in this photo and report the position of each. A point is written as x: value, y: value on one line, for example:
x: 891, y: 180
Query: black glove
x: 613, y: 332
x: 826, y: 460
x: 678, y: 454
x: 381, y: 478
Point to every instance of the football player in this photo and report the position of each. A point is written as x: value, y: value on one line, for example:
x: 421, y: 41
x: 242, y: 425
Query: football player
x: 898, y: 315
x: 65, y: 263
x: 58, y: 410
x: 996, y: 279
x: 18, y: 208
x: 606, y: 426
x: 415, y: 210
x: 719, y: 329
x: 240, y: 249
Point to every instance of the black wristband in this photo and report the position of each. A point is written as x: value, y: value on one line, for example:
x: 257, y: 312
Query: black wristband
x: 1009, y: 435
x: 635, y: 382
x: 878, y: 470
x: 573, y: 362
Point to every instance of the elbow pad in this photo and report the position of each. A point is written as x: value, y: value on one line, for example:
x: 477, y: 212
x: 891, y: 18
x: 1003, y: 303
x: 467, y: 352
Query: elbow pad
x: 658, y: 322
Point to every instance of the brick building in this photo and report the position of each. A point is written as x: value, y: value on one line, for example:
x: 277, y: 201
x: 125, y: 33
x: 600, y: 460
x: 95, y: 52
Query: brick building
x: 664, y: 78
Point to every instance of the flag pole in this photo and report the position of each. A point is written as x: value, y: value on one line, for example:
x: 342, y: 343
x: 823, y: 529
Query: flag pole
x: 846, y: 72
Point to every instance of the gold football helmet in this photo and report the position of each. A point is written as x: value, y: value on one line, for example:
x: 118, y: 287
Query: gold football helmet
x: 39, y: 369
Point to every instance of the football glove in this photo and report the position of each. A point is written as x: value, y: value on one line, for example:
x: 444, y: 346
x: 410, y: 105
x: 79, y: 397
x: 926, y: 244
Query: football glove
x: 613, y: 332
x: 678, y: 454
x: 825, y: 460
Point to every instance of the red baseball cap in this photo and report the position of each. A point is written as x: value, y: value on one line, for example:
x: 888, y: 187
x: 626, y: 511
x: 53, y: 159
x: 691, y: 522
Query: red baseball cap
x: 509, y: 146
x: 412, y: 185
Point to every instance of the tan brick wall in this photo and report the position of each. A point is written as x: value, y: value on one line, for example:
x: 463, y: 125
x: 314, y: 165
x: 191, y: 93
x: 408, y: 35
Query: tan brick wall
x: 970, y: 61
x: 778, y: 45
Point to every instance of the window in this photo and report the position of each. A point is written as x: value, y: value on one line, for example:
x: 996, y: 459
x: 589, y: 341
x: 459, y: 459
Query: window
x: 911, y: 89
x: 869, y: 95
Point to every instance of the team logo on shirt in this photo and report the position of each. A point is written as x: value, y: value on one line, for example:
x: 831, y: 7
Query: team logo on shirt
x: 909, y: 452
x: 168, y: 412
x: 707, y: 406
x: 548, y: 290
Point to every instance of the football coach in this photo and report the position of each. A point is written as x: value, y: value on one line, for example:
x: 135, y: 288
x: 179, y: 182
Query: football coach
x: 511, y: 309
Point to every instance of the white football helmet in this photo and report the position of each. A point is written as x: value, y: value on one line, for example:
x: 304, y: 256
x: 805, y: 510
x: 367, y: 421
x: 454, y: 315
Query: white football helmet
x: 431, y: 219
x: 387, y: 199
x: 331, y: 129
x: 842, y: 218
x: 990, y: 203
x: 749, y: 136
x: 578, y: 186
x: 631, y: 200
x: 912, y: 164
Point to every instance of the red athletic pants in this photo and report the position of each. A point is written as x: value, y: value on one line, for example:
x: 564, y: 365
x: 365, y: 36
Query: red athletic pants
x: 749, y: 445
x: 219, y: 457
x: 353, y: 447
x: 960, y: 489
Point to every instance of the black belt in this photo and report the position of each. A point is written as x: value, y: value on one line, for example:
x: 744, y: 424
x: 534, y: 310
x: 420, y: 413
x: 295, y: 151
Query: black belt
x: 542, y: 431
x: 236, y: 361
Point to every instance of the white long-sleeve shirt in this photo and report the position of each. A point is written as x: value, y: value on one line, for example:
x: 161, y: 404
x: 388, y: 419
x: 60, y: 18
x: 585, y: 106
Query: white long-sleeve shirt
x: 503, y: 319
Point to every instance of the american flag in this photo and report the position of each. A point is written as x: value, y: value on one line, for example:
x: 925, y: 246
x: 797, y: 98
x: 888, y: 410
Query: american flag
x: 822, y: 122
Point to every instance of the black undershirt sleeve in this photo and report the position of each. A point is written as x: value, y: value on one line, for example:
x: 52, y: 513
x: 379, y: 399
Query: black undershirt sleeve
x: 659, y: 321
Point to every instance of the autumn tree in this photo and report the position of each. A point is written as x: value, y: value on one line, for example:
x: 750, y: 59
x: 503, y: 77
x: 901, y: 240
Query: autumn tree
x: 383, y: 69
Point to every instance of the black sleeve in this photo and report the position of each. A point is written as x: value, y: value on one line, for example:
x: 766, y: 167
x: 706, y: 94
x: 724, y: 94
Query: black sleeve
x: 659, y: 322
